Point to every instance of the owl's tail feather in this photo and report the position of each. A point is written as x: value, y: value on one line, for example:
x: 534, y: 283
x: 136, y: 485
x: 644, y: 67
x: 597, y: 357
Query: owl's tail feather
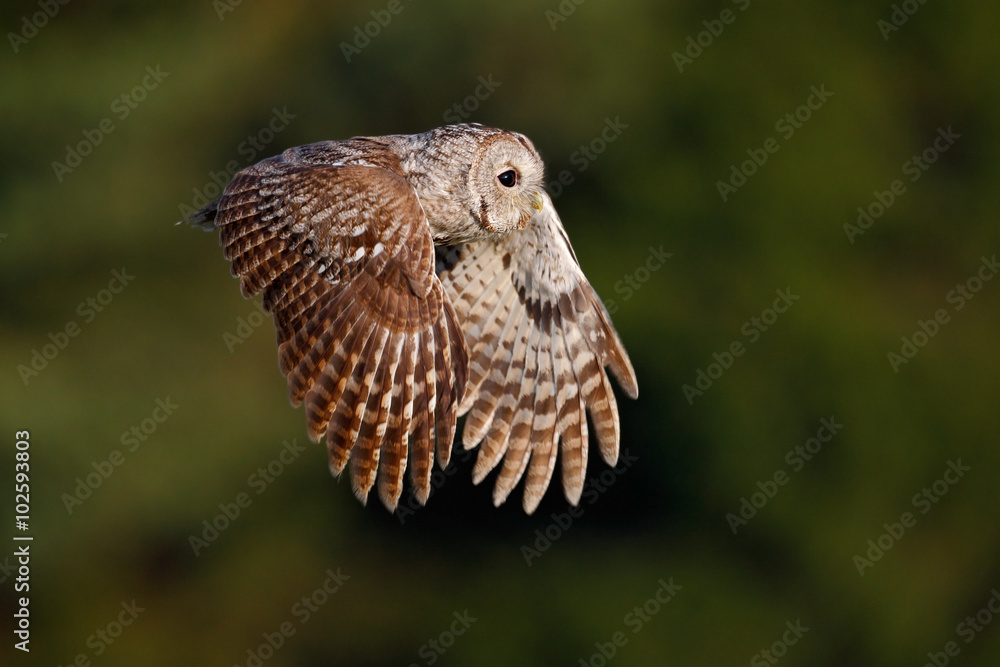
x: 204, y: 217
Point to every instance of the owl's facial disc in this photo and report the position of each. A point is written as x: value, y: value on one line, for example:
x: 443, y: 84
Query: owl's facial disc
x: 506, y: 183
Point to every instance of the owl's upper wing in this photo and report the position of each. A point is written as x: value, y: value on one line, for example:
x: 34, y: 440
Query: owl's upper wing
x: 367, y: 338
x: 539, y: 339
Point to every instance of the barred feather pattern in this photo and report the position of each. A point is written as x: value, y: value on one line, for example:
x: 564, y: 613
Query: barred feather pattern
x: 339, y: 247
x: 539, y: 339
x: 386, y: 340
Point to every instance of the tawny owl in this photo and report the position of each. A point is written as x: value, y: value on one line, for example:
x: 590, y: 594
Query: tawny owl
x: 417, y: 278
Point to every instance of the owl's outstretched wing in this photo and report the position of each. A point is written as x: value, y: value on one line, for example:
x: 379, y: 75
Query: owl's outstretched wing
x: 366, y: 336
x: 539, y: 339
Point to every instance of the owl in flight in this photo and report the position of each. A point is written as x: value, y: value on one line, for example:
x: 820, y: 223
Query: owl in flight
x: 416, y: 278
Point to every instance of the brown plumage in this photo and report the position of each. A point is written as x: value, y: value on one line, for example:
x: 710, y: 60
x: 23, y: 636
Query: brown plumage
x: 416, y: 278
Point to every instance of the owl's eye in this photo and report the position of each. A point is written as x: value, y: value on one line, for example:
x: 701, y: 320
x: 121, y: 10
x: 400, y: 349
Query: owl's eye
x: 508, y: 179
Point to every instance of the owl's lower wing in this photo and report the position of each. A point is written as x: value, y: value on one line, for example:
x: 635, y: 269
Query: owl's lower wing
x: 367, y: 338
x: 539, y: 339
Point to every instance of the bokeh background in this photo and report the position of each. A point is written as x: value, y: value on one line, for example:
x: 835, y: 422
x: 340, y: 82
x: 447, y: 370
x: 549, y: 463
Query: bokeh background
x: 226, y: 71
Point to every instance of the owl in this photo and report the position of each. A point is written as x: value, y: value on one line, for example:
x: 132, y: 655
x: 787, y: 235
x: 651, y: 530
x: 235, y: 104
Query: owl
x: 414, y: 279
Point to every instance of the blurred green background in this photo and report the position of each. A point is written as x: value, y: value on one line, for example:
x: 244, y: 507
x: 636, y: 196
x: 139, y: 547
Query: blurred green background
x: 214, y: 86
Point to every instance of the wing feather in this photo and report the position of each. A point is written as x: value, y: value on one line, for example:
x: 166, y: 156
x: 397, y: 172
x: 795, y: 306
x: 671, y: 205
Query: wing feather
x: 421, y: 449
x: 572, y: 427
x: 394, y: 456
x: 323, y: 396
x: 506, y: 395
x: 488, y: 366
x: 340, y: 248
x: 539, y: 340
x: 452, y: 373
x: 518, y: 445
x: 543, y: 427
x: 339, y: 436
x: 365, y: 455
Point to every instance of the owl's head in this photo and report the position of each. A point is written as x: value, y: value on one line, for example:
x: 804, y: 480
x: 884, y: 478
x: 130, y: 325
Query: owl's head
x: 505, y: 182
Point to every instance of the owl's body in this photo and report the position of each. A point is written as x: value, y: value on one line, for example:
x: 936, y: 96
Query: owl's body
x: 387, y: 340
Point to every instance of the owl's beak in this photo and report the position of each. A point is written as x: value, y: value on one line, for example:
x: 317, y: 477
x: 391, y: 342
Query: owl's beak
x: 537, y: 201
